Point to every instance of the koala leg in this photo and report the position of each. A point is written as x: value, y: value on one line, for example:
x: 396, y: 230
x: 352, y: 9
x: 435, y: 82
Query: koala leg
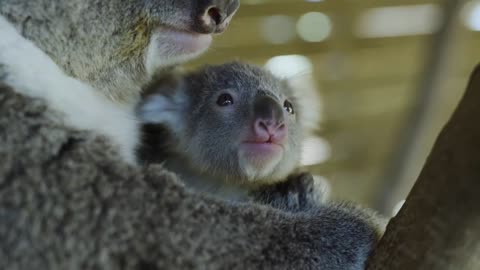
x: 301, y: 191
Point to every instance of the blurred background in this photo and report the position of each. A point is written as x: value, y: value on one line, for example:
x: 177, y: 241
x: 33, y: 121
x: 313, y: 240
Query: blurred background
x: 388, y: 74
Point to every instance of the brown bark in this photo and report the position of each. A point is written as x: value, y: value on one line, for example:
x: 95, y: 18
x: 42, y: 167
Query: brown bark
x: 439, y: 225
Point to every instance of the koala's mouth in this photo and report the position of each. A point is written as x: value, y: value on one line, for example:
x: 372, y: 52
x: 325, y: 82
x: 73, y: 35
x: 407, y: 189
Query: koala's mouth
x: 261, y: 153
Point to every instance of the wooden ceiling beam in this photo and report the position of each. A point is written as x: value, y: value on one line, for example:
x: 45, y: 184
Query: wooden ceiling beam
x: 298, y: 7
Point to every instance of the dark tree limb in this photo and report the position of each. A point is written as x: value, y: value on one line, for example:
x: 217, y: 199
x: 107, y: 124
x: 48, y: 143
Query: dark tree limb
x: 421, y: 123
x: 439, y: 225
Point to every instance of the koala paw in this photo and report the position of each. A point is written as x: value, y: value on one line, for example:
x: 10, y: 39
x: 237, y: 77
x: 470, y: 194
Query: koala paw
x: 299, y: 192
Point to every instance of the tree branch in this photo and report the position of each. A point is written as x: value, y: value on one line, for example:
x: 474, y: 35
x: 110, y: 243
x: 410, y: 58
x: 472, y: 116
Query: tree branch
x: 439, y: 225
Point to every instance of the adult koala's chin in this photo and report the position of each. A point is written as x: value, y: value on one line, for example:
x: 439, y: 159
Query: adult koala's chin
x: 66, y: 52
x: 115, y: 45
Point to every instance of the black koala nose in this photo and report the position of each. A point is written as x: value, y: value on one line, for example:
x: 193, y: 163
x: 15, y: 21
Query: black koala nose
x: 214, y: 16
x: 268, y: 109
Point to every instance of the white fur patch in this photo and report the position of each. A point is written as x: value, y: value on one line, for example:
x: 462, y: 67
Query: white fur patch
x: 166, y: 48
x: 309, y: 100
x: 164, y: 109
x: 159, y: 109
x: 31, y: 72
x: 254, y: 172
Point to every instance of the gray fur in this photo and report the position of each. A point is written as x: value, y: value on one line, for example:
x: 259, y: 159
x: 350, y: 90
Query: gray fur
x: 103, y: 42
x: 68, y: 202
x: 298, y: 192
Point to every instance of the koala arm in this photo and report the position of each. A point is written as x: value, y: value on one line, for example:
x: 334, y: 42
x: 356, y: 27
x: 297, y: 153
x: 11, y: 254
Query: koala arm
x: 300, y: 192
x: 68, y: 202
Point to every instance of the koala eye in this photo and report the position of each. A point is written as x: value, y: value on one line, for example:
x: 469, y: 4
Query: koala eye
x: 288, y: 107
x: 225, y: 100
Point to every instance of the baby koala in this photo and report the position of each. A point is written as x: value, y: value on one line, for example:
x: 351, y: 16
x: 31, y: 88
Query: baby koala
x: 232, y: 130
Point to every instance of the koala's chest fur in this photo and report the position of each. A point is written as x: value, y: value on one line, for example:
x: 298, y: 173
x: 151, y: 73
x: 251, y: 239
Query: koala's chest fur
x: 207, y: 184
x: 156, y: 147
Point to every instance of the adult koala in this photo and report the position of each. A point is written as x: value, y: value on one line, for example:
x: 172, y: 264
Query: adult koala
x: 67, y: 198
x: 112, y: 46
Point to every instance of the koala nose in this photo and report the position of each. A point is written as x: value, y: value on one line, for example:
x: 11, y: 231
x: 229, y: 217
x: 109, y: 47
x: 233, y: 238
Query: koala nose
x: 269, y: 124
x: 269, y: 131
x: 214, y: 16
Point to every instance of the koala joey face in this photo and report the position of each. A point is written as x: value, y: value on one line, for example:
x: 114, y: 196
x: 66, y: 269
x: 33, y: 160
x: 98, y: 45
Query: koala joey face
x: 244, y: 123
x: 238, y: 123
x: 252, y: 132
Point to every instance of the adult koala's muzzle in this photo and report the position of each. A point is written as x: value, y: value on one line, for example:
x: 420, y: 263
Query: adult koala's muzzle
x: 213, y: 16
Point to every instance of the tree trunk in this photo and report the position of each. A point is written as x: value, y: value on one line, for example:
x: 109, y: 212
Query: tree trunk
x: 439, y: 225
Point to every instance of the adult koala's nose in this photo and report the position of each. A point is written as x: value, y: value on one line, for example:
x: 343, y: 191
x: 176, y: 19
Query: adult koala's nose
x: 214, y: 16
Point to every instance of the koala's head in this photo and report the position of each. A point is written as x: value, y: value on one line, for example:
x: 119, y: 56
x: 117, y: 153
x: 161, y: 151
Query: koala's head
x: 115, y: 44
x: 234, y: 121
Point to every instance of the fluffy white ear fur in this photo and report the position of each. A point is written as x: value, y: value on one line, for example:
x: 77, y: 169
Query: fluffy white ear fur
x: 31, y: 72
x: 157, y: 109
x: 309, y: 101
x: 163, y: 109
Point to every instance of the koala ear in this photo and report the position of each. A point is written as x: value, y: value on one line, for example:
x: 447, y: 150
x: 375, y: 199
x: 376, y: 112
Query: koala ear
x: 166, y: 110
x: 158, y: 109
x: 163, y: 102
x: 310, y: 108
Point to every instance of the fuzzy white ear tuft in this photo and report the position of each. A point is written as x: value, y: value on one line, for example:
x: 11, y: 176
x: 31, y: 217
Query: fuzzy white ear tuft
x: 164, y: 109
x: 158, y: 109
x: 309, y: 100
